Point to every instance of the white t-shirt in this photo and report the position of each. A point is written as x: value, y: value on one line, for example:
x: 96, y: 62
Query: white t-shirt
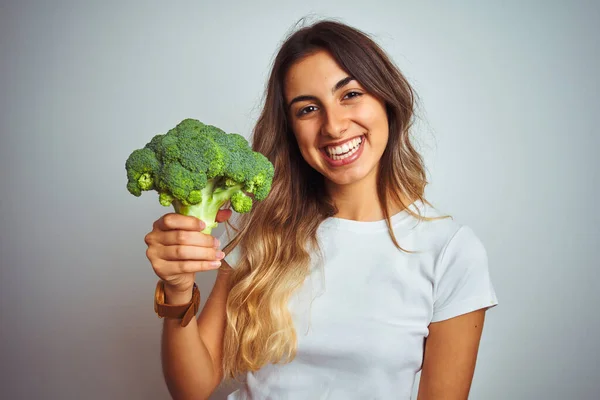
x: 363, y: 313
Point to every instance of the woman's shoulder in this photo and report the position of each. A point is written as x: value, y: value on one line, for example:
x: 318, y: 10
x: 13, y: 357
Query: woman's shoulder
x: 440, y: 228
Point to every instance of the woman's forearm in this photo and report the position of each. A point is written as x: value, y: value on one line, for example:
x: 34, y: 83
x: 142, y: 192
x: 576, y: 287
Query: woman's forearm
x: 187, y: 365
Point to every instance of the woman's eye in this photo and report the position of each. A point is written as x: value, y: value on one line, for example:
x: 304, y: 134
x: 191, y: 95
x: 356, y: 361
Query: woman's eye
x: 306, y: 110
x: 352, y: 94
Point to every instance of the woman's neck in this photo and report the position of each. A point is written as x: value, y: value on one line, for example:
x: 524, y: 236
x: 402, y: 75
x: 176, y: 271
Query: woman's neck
x: 359, y: 201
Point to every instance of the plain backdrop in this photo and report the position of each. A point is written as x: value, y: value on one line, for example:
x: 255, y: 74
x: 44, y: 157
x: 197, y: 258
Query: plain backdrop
x: 509, y: 101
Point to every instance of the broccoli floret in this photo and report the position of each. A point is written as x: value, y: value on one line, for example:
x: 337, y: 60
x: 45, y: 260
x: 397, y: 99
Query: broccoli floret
x: 198, y: 168
x: 142, y: 165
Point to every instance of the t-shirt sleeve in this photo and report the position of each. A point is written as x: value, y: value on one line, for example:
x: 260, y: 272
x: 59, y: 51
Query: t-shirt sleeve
x: 462, y: 278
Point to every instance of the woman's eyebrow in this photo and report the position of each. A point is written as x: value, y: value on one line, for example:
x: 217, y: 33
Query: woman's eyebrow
x: 301, y: 98
x: 343, y: 82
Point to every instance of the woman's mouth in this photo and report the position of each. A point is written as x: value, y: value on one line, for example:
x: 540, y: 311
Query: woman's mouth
x: 345, y: 153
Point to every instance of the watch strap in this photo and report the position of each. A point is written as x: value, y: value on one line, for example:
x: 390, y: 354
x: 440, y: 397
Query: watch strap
x: 185, y: 312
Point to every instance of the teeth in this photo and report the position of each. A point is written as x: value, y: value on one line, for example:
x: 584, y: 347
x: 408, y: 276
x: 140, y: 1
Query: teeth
x: 345, y: 150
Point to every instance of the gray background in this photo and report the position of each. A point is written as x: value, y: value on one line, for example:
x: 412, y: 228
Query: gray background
x: 509, y: 101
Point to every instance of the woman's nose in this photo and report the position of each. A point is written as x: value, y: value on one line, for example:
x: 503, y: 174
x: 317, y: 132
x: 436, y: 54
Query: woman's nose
x: 335, y: 124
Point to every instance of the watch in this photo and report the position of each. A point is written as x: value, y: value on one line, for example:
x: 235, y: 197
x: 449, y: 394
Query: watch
x: 185, y: 312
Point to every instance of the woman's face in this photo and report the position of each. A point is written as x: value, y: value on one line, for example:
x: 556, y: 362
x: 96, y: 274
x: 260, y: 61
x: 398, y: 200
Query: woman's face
x: 341, y: 129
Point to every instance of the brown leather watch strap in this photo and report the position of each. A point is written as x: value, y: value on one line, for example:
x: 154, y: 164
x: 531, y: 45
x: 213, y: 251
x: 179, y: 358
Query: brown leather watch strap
x: 185, y: 312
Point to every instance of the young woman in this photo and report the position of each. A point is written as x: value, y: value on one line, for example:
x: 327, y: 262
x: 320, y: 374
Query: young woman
x: 345, y: 281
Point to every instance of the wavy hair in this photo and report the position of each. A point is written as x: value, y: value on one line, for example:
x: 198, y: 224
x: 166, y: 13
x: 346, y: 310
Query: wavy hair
x: 276, y: 239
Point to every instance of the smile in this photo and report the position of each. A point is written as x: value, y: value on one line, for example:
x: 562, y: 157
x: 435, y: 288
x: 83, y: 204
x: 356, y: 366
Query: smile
x: 345, y: 153
x: 345, y: 150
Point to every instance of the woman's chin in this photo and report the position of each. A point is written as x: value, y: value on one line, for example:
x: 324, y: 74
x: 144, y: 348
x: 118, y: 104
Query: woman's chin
x: 346, y: 178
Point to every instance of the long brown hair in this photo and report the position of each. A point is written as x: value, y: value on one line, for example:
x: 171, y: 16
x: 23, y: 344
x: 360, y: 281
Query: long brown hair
x: 277, y: 238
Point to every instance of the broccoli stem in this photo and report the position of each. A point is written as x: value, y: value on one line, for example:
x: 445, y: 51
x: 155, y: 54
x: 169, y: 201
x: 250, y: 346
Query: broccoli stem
x: 214, y: 196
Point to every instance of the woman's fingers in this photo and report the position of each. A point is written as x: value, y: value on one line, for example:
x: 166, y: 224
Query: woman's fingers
x: 188, y: 238
x: 177, y: 249
x: 188, y: 253
x: 175, y: 221
x: 168, y: 261
x: 170, y: 270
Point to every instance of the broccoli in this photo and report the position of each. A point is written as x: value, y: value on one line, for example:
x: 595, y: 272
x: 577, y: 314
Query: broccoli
x: 198, y: 168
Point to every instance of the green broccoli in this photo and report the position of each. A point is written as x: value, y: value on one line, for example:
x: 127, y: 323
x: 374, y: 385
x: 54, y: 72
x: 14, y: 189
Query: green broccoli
x: 198, y: 168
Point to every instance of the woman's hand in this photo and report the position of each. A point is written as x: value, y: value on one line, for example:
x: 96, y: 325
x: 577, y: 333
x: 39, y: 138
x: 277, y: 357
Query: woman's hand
x: 177, y: 249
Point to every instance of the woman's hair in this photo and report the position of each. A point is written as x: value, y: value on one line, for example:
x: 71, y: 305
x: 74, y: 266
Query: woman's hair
x: 276, y: 239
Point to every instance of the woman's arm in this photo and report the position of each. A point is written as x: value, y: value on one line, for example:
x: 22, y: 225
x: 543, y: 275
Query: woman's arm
x: 212, y: 320
x: 192, y: 356
x: 450, y: 356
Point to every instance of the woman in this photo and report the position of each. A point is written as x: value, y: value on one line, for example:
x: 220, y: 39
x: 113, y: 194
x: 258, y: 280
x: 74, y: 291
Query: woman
x: 345, y: 281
